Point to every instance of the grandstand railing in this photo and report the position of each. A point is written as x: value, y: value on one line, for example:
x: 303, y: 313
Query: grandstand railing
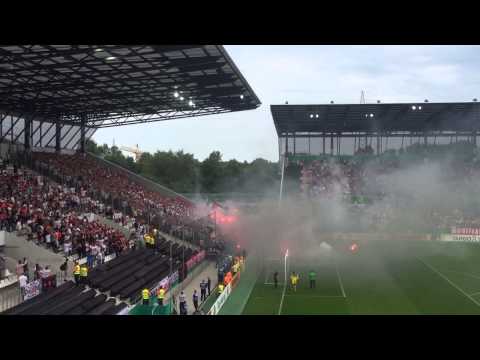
x: 10, y: 297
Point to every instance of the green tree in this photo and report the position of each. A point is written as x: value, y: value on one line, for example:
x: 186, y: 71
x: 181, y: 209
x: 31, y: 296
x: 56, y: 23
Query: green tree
x: 183, y: 173
x: 212, y: 172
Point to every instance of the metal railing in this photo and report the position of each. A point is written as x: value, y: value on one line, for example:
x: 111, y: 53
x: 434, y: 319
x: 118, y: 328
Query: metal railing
x: 10, y: 297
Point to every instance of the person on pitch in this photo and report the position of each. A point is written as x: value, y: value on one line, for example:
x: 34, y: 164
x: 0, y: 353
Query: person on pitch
x: 312, y: 276
x: 294, y: 280
x: 275, y: 279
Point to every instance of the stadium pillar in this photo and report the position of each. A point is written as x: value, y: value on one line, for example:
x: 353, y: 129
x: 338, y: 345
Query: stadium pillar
x: 286, y: 144
x: 323, y: 138
x: 425, y: 139
x: 378, y: 143
x: 474, y: 137
x: 331, y: 144
x: 27, y: 132
x: 58, y: 131
x: 294, y: 144
x: 82, y: 134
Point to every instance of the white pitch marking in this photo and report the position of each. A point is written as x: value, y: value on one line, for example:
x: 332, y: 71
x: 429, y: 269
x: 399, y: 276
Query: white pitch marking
x: 317, y: 296
x: 463, y: 273
x: 281, y: 301
x: 338, y: 276
x: 449, y: 281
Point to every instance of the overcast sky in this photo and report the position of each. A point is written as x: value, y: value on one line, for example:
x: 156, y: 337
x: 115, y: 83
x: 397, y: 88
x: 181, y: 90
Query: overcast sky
x: 310, y: 75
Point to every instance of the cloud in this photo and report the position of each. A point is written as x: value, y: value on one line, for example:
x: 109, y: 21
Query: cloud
x: 311, y: 74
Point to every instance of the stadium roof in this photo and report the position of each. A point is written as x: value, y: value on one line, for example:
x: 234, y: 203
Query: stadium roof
x: 344, y: 118
x: 112, y: 85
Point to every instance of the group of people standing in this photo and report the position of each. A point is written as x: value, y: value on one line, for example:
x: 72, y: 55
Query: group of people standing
x: 295, y: 278
x: 80, y: 273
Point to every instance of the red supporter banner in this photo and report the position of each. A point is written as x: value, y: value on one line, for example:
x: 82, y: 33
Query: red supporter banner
x: 465, y: 231
x: 195, y: 259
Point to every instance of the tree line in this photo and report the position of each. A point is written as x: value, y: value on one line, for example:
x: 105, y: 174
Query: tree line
x: 183, y: 173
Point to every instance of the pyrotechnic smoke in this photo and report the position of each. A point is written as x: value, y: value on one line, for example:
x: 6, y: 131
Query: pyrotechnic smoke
x: 413, y: 196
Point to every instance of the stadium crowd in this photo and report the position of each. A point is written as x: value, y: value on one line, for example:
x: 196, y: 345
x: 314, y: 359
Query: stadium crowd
x: 88, y: 186
x: 127, y: 201
x: 360, y: 179
x: 51, y: 215
x: 358, y: 174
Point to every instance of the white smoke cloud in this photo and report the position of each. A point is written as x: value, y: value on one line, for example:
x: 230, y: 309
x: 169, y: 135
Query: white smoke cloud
x: 310, y: 227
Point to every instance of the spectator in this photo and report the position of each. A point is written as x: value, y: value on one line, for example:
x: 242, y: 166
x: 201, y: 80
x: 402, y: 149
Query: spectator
x: 183, y: 304
x: 203, y: 290
x: 20, y: 268
x: 22, y: 280
x: 25, y: 267
x: 209, y: 283
x: 64, y: 268
x: 195, y: 299
x: 100, y: 258
x: 36, y: 273
x: 45, y: 272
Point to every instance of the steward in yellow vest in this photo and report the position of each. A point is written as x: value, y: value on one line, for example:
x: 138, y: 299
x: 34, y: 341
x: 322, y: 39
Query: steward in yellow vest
x: 83, y: 274
x: 220, y: 288
x: 76, y: 273
x: 147, y: 240
x: 145, y: 296
x: 160, y: 296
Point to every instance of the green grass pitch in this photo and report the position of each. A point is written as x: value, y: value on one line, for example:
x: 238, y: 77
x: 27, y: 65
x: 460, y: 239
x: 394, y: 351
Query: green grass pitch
x: 390, y: 277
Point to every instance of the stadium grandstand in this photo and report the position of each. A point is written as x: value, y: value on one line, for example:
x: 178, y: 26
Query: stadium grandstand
x: 345, y: 128
x: 378, y: 212
x: 64, y: 212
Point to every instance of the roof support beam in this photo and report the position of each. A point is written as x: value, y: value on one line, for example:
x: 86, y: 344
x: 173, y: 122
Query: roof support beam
x: 39, y: 142
x: 82, y: 135
x: 73, y: 137
x: 11, y: 128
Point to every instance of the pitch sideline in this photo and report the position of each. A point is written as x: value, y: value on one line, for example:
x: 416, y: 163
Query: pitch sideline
x: 449, y: 281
